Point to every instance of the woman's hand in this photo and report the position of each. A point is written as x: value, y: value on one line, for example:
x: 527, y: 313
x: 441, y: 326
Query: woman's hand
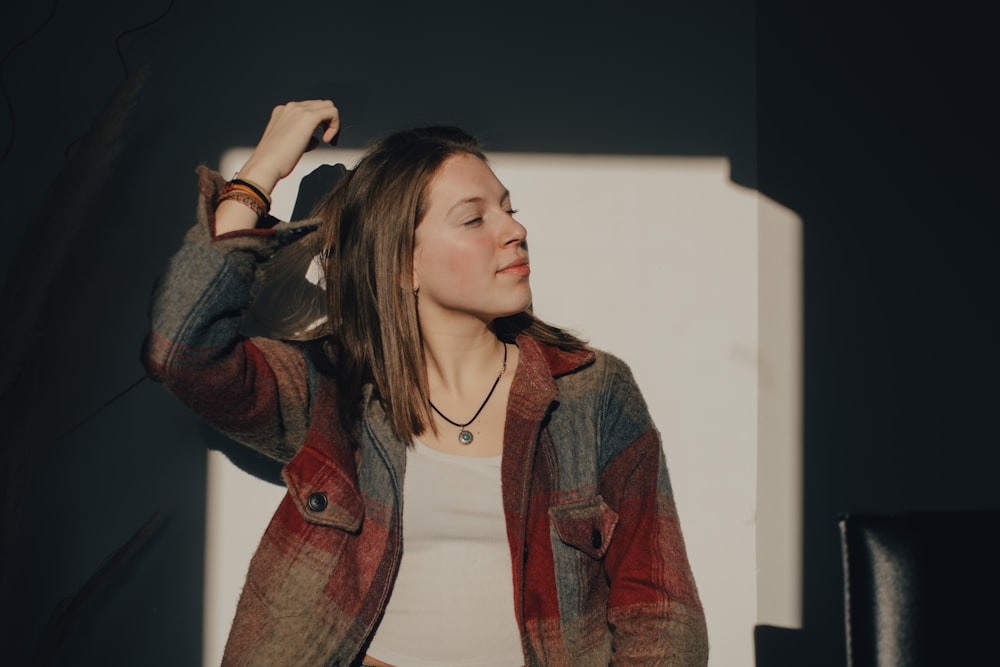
x: 287, y: 136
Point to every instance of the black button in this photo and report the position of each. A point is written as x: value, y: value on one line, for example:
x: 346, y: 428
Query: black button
x: 317, y: 502
x: 595, y: 539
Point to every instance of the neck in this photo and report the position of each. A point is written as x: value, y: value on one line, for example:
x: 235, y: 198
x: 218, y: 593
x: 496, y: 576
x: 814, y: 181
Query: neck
x: 459, y: 362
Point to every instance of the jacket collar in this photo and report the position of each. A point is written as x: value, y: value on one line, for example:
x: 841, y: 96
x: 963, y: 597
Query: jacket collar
x: 559, y: 362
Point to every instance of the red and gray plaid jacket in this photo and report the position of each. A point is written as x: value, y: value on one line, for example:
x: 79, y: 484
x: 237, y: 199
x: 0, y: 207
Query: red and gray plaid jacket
x: 600, y: 570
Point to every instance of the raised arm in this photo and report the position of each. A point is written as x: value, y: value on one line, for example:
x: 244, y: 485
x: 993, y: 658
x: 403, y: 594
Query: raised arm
x: 255, y: 390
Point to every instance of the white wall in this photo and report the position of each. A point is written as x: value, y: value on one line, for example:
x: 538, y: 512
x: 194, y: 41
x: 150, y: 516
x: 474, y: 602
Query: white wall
x: 658, y: 261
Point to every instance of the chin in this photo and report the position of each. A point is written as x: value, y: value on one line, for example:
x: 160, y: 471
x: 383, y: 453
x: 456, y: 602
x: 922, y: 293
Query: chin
x: 513, y: 306
x: 515, y: 309
x: 521, y: 306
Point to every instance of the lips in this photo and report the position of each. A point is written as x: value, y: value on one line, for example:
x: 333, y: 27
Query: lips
x: 518, y: 266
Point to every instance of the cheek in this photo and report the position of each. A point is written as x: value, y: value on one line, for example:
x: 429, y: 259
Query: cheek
x: 458, y: 264
x: 461, y: 265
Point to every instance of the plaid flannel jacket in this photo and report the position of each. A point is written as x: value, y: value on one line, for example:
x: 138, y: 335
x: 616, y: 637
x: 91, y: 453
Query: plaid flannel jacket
x: 600, y: 572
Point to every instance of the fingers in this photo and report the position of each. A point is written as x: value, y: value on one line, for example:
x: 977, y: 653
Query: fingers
x: 328, y: 132
x: 306, y: 117
x: 290, y: 133
x: 320, y: 118
x: 331, y: 133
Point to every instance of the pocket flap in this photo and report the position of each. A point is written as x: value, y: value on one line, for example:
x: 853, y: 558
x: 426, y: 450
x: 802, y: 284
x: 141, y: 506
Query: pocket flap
x: 323, y: 493
x: 587, y: 525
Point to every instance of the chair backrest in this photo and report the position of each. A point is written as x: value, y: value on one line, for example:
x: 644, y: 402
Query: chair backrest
x: 922, y: 588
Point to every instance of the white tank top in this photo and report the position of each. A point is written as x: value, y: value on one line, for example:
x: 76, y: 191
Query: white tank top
x: 453, y: 601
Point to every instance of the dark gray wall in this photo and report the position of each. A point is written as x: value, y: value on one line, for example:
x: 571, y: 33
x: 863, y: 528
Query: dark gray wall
x: 877, y: 124
x: 880, y: 138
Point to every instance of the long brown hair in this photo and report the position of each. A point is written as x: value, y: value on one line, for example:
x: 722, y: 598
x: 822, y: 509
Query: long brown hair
x: 372, y: 334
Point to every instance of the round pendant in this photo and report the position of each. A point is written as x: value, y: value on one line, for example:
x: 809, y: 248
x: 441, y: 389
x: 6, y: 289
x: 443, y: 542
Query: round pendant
x: 465, y: 437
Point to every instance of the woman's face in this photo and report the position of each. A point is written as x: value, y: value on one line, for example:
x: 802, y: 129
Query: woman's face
x: 470, y: 256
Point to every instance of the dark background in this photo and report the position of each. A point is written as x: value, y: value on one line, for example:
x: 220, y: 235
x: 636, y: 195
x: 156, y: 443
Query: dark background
x: 873, y: 122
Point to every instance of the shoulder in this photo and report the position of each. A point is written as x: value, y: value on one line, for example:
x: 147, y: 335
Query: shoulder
x: 604, y: 393
x: 588, y: 381
x: 597, y: 412
x: 604, y: 372
x: 577, y: 372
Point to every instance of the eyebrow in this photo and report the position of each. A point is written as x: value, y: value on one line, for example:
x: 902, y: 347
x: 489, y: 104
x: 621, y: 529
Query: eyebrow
x: 473, y: 200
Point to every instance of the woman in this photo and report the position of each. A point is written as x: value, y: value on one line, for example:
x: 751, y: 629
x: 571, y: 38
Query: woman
x: 539, y: 526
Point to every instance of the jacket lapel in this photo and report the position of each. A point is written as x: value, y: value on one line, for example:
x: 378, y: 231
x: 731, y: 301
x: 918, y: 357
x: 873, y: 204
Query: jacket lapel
x: 532, y: 394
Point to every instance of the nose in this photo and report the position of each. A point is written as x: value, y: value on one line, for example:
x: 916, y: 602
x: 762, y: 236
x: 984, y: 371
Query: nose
x: 514, y: 232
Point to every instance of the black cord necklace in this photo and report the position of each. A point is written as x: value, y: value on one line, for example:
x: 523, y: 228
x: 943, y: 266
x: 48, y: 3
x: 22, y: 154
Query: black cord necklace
x: 464, y: 435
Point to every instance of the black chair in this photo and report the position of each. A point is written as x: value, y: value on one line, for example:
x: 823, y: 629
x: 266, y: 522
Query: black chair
x: 922, y: 589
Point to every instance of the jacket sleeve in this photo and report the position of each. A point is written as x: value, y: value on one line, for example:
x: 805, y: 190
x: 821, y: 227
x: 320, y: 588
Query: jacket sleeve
x: 256, y: 390
x: 653, y: 605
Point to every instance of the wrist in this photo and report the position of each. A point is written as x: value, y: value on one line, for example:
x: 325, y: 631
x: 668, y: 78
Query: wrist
x: 232, y: 216
x: 261, y: 177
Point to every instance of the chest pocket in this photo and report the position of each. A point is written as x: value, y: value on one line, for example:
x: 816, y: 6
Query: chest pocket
x: 291, y: 576
x: 580, y: 532
x: 323, y: 492
x: 587, y: 525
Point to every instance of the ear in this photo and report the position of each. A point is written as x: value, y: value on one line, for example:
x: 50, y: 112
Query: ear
x: 414, y: 278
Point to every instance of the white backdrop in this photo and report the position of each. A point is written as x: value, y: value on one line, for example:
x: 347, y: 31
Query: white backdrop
x: 658, y: 260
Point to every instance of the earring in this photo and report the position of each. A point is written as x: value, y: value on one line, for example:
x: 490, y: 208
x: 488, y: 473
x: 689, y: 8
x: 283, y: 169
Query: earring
x: 416, y: 290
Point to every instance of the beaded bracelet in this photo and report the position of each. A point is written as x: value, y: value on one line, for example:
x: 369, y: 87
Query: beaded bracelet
x: 253, y: 187
x: 252, y: 191
x: 247, y: 199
